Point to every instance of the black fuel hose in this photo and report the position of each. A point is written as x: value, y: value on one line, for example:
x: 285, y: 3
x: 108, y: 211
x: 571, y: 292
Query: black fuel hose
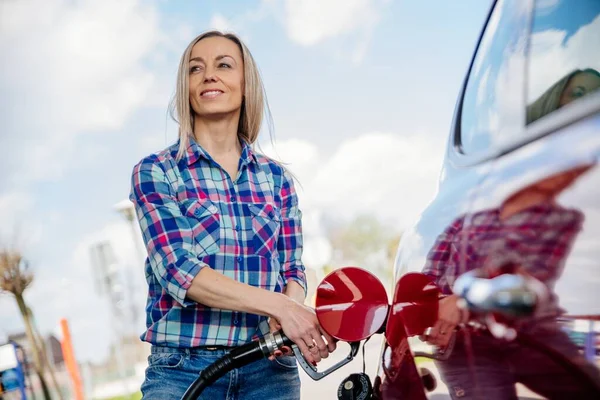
x: 236, y: 358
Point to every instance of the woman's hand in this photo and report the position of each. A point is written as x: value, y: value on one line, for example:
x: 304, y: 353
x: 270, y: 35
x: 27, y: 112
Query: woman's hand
x: 301, y: 325
x: 449, y: 316
x: 274, y: 326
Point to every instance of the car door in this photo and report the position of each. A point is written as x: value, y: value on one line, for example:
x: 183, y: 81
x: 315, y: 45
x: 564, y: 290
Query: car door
x: 495, y: 74
x: 537, y: 213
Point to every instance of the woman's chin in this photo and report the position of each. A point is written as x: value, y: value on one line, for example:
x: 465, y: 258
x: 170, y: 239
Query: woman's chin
x: 216, y: 112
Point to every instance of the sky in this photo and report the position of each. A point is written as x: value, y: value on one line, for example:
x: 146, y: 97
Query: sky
x: 361, y: 92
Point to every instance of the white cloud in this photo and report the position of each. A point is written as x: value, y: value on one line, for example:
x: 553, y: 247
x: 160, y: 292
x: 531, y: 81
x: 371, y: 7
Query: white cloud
x: 241, y: 23
x: 387, y: 175
x: 18, y: 228
x: 482, y: 90
x: 220, y: 23
x: 309, y: 22
x: 13, y: 206
x: 74, y: 67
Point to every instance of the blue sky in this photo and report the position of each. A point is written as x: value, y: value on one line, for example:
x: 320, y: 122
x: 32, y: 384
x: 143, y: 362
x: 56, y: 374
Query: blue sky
x: 365, y: 89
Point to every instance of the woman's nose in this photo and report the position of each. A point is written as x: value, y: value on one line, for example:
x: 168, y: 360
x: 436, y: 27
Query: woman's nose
x: 210, y: 76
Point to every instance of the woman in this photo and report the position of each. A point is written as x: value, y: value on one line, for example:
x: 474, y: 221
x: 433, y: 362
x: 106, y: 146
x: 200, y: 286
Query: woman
x: 573, y: 86
x: 223, y: 232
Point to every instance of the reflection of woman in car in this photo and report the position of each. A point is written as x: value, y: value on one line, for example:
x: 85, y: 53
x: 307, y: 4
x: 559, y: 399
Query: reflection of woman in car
x: 533, y: 234
x: 223, y: 232
x: 573, y: 86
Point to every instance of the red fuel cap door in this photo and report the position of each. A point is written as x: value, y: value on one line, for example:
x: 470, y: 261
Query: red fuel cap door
x: 351, y: 304
x: 414, y: 308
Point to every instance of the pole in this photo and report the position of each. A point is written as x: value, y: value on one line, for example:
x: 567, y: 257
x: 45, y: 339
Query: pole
x: 70, y: 361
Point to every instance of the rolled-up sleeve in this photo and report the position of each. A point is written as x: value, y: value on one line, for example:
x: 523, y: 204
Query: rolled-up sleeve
x: 439, y: 266
x: 289, y: 243
x: 166, y: 231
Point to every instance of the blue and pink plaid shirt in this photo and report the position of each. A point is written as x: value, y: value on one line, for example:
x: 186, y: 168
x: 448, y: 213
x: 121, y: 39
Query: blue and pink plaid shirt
x: 192, y: 216
x: 537, y: 240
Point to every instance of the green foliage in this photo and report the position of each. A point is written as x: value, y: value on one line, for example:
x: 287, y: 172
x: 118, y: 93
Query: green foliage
x: 365, y: 242
x: 134, y: 396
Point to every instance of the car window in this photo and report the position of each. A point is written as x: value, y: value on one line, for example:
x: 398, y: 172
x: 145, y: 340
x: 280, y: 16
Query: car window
x: 564, y: 55
x: 493, y: 103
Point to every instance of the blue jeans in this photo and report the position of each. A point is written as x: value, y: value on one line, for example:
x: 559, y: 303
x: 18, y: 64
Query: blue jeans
x: 171, y: 370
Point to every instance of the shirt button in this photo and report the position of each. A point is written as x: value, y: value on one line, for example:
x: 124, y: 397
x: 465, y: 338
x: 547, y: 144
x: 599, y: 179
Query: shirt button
x: 197, y: 212
x: 232, y: 198
x: 240, y: 258
x: 237, y: 227
x: 235, y: 322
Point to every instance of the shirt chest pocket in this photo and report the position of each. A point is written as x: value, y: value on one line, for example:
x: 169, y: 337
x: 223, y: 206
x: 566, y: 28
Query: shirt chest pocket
x: 204, y: 220
x: 266, y: 222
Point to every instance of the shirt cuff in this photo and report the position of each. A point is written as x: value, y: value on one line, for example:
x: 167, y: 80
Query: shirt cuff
x: 178, y: 290
x: 297, y: 276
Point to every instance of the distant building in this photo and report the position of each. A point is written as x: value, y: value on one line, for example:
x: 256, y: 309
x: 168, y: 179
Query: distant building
x: 52, y: 344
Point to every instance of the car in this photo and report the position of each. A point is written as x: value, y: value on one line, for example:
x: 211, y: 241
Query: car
x: 518, y: 198
x: 497, y: 284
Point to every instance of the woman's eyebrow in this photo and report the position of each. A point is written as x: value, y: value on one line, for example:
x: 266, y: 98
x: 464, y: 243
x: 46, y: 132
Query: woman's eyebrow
x: 224, y: 56
x: 220, y: 57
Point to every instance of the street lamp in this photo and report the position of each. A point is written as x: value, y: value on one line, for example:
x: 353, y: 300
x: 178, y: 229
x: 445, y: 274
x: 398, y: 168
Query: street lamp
x: 127, y: 211
x: 125, y: 208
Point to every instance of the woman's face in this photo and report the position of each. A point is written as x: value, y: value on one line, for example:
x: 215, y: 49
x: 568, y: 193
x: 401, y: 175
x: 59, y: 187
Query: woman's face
x: 216, y: 77
x: 580, y: 85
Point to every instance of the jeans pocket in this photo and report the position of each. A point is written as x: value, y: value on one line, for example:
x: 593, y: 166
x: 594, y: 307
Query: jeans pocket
x: 166, y: 360
x: 285, y: 362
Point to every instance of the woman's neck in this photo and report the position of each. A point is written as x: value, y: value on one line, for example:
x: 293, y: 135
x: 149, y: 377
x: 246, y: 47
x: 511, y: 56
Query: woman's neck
x: 218, y: 137
x: 523, y: 201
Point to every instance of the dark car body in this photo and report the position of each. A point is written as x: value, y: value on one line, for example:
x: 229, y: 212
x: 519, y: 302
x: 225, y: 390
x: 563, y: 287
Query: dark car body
x: 520, y: 185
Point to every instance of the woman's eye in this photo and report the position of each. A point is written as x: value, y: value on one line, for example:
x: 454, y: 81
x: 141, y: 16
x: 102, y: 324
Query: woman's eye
x: 195, y: 68
x: 578, y: 91
x: 224, y: 65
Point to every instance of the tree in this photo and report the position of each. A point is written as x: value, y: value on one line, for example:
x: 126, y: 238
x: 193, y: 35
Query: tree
x: 15, y: 278
x: 365, y: 242
x: 392, y: 248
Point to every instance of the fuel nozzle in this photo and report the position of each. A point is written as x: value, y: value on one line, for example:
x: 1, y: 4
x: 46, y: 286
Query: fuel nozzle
x: 238, y: 357
x: 273, y: 341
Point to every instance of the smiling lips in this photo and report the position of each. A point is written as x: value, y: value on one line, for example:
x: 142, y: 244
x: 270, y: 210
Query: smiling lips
x: 210, y: 93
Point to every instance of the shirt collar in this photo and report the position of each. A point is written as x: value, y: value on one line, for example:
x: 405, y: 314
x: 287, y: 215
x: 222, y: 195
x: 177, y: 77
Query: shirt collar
x: 248, y: 155
x: 194, y: 151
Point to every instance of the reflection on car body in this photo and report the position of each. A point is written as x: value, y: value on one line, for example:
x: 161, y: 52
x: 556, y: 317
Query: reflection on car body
x: 519, y: 194
x: 530, y: 234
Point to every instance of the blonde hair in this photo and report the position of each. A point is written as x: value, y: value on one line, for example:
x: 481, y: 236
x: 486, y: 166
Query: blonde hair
x: 254, y: 101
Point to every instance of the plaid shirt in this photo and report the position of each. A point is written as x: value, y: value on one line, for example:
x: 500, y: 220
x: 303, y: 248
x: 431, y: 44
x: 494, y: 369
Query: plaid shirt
x: 537, y: 239
x: 192, y: 216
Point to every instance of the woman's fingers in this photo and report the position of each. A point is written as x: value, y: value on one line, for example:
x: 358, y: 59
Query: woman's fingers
x: 277, y: 353
x: 441, y: 333
x: 274, y: 325
x: 331, y: 342
x: 321, y: 346
x: 306, y: 352
x: 435, y: 334
x: 286, y: 350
